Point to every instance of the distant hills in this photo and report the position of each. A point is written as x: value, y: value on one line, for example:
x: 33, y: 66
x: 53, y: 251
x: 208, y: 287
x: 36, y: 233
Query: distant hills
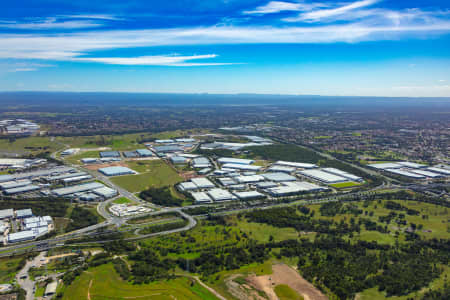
x: 161, y: 99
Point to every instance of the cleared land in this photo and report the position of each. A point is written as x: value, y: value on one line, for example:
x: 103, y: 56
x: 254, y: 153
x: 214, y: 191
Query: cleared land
x: 285, y: 275
x: 103, y: 282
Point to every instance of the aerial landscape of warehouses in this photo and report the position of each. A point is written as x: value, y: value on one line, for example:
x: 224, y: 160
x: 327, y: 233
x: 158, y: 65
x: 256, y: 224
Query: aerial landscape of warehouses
x: 139, y: 190
x: 212, y: 150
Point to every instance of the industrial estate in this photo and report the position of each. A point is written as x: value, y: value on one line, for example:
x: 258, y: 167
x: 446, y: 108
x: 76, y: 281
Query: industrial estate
x: 214, y: 213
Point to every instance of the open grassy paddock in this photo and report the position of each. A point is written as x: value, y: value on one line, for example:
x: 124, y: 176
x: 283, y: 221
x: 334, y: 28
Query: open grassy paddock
x: 75, y: 159
x: 122, y: 200
x: 9, y: 266
x: 101, y: 283
x: 157, y: 174
x: 284, y: 292
x: 345, y: 185
x: 33, y: 145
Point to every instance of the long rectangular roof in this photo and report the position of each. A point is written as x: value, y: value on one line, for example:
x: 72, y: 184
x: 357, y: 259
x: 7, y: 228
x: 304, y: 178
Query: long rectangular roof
x: 110, y: 154
x: 41, y: 173
x: 232, y: 160
x: 248, y: 195
x: 296, y: 164
x: 241, y: 167
x: 14, y: 184
x: 202, y: 182
x: 411, y: 164
x: 386, y: 165
x: 279, y: 177
x: 4, y: 178
x: 323, y: 176
x: 220, y: 194
x: 77, y: 188
x: 440, y: 170
x: 186, y: 186
x: 26, y: 234
x: 405, y: 173
x: 285, y: 169
x: 116, y: 170
x: 426, y: 173
x: 6, y: 213
x: 105, y: 191
x: 249, y: 179
x: 201, y: 197
x: 342, y: 173
x: 22, y: 189
x: 24, y: 212
x: 144, y: 152
x: 67, y: 175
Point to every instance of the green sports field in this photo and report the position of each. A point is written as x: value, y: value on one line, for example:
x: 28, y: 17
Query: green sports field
x: 101, y: 283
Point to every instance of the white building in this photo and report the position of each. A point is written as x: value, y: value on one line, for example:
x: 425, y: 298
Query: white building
x: 220, y: 195
x: 202, y: 183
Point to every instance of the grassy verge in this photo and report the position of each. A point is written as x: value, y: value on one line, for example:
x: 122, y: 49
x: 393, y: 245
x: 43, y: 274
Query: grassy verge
x: 104, y: 283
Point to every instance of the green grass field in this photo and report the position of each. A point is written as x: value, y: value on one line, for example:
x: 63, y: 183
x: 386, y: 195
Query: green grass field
x: 122, y: 200
x: 262, y: 232
x: 75, y: 159
x: 9, y: 268
x: 103, y: 283
x: 345, y: 185
x: 30, y: 145
x: 159, y: 174
x: 284, y: 292
x: 115, y: 142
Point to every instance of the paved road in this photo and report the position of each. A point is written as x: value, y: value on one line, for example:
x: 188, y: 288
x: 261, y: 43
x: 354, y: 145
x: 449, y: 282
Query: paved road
x: 23, y: 278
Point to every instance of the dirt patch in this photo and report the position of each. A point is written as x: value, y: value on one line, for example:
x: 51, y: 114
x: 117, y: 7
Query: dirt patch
x: 188, y: 175
x: 89, y: 290
x: 283, y: 274
x: 48, y: 259
x: 242, y: 291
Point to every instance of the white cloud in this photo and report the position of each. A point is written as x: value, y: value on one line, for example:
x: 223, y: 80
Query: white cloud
x: 93, y: 16
x: 157, y: 60
x: 279, y: 6
x: 24, y: 70
x: 70, y: 45
x: 50, y: 23
x: 320, y: 14
x: 73, y: 46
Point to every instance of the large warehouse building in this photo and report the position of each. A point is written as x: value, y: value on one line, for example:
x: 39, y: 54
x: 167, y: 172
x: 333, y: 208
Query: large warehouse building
x: 116, y: 171
x: 323, y: 176
x: 231, y: 160
x: 61, y: 192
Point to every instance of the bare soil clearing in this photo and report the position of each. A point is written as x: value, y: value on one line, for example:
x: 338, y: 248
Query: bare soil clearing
x: 283, y: 274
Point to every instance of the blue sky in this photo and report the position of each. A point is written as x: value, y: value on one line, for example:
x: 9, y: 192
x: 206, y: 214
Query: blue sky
x: 359, y: 47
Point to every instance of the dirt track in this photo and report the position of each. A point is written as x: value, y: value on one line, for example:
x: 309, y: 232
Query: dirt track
x: 283, y: 274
